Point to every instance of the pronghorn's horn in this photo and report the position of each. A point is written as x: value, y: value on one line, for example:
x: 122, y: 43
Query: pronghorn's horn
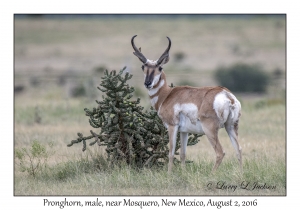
x: 165, y: 55
x: 138, y: 52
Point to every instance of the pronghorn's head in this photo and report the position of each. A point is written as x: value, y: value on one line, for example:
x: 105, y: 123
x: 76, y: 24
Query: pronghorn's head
x: 152, y: 69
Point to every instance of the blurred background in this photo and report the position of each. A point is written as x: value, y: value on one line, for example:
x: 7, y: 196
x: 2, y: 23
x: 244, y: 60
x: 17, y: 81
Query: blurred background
x: 59, y: 61
x: 58, y: 57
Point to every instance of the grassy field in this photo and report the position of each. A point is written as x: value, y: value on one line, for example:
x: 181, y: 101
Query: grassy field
x: 71, y: 172
x: 54, y: 55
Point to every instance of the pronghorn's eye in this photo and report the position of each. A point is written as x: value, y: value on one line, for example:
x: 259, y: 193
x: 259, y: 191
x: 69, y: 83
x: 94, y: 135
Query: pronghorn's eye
x: 160, y: 68
x: 143, y: 67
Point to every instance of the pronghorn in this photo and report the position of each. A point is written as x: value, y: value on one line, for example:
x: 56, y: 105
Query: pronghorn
x: 200, y: 110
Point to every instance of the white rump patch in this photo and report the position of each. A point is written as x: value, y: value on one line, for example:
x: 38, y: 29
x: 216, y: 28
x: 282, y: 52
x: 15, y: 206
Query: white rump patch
x: 224, y: 108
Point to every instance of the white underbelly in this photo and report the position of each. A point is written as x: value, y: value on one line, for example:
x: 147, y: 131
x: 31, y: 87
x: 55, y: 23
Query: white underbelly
x: 185, y: 125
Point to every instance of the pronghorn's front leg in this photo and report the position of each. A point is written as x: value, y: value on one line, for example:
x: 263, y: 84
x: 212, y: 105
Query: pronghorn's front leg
x: 172, y: 130
x: 183, y: 143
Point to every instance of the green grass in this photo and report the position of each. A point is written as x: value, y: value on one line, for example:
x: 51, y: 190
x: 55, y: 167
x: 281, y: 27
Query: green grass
x: 88, y: 176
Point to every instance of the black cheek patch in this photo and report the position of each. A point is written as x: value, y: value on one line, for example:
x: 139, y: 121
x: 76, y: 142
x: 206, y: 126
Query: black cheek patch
x: 143, y: 67
x: 160, y: 68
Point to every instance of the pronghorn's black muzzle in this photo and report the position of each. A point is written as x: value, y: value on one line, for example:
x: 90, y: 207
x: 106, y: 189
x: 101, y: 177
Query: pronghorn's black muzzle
x: 147, y: 84
x: 149, y: 78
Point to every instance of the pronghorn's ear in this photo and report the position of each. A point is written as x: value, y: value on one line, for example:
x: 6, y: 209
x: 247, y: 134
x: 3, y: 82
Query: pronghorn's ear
x: 164, y: 60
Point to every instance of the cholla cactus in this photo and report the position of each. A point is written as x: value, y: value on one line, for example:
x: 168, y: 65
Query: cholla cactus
x: 128, y: 133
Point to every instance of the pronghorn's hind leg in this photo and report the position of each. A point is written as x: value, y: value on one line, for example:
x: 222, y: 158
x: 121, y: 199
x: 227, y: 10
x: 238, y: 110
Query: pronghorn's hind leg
x: 172, y: 130
x: 211, y: 131
x: 232, y: 130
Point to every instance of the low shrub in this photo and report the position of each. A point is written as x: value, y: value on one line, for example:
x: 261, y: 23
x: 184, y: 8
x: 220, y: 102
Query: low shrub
x: 34, y: 159
x: 186, y: 82
x: 78, y: 91
x: 129, y: 134
x: 243, y: 78
x: 100, y: 69
x: 179, y: 56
